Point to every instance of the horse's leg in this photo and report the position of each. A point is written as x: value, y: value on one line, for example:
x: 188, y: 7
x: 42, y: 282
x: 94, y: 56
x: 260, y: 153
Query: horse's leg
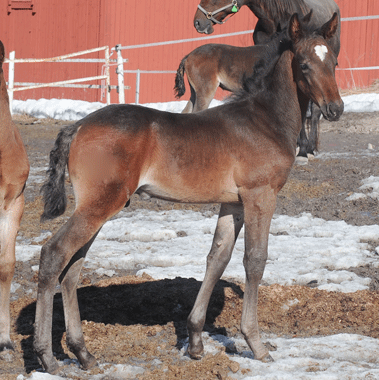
x: 56, y: 254
x: 228, y: 226
x: 259, y: 206
x: 74, y: 237
x: 74, y: 333
x: 314, y: 130
x: 189, y: 107
x: 205, y: 94
x: 302, y: 141
x: 9, y: 225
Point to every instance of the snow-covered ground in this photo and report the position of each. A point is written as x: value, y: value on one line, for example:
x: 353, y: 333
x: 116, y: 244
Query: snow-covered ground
x: 150, y: 242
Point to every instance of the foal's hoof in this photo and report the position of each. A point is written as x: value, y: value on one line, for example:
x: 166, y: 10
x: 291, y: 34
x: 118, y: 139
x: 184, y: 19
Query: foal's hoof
x: 91, y: 362
x: 301, y: 160
x: 50, y: 366
x: 86, y: 359
x: 195, y: 355
x: 8, y: 345
x: 267, y: 359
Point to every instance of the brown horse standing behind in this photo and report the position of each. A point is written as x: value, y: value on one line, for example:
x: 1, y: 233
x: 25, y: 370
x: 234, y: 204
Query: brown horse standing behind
x: 215, y: 65
x: 238, y: 154
x: 14, y: 171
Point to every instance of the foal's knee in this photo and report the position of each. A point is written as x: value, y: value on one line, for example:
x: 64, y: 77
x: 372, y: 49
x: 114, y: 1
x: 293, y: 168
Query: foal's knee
x: 254, y: 266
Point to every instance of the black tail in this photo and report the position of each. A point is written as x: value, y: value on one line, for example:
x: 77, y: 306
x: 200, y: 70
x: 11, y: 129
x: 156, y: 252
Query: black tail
x: 53, y: 190
x: 180, y: 87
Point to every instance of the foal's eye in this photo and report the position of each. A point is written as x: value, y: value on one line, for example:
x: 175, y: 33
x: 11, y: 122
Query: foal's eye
x: 304, y: 66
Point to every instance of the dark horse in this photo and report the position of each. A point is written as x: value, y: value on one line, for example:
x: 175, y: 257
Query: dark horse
x: 272, y: 14
x: 238, y: 154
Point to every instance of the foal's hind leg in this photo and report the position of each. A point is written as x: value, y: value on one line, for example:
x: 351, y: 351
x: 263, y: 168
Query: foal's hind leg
x: 56, y: 255
x: 189, y: 106
x: 228, y: 227
x: 74, y: 334
x: 204, y: 95
x: 9, y: 225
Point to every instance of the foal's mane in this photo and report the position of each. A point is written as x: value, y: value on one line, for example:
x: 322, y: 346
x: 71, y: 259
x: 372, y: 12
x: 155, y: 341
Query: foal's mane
x: 262, y: 70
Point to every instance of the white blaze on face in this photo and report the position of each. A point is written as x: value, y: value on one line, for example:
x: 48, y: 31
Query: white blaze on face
x: 321, y: 51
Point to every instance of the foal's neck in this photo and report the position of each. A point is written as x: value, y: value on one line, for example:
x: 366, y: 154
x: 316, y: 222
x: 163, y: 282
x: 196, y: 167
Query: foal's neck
x: 290, y: 104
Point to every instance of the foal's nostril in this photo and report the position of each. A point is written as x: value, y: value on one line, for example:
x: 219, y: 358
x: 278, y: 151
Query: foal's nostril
x: 197, y: 24
x: 334, y: 110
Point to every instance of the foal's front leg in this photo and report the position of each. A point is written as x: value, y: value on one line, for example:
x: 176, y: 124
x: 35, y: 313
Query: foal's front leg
x: 229, y: 224
x: 259, y: 206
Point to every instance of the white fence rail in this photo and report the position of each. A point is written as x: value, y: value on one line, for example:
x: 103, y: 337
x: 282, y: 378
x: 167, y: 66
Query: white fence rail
x: 105, y: 77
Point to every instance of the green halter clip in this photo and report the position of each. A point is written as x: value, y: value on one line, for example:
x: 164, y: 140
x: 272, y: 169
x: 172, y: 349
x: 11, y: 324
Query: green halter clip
x: 234, y: 9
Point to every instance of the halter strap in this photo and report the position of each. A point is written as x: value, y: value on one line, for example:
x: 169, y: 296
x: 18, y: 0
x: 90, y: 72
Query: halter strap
x: 209, y: 15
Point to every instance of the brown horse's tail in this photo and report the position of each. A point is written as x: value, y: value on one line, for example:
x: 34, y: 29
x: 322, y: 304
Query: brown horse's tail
x: 53, y: 190
x: 180, y: 87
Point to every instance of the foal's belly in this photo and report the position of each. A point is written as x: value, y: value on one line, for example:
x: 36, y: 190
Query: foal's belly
x: 200, y: 189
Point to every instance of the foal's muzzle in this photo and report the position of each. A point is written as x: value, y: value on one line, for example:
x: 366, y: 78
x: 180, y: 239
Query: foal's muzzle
x: 332, y: 111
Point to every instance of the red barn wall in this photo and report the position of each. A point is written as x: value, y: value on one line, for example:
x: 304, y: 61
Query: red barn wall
x: 359, y: 43
x: 58, y: 28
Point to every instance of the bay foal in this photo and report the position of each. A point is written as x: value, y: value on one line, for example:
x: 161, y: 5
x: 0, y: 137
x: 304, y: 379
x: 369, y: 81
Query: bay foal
x: 215, y: 65
x: 217, y: 155
x: 14, y: 171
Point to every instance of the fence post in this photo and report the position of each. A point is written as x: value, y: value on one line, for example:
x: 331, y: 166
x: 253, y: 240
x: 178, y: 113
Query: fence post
x: 120, y: 75
x: 12, y: 56
x: 108, y: 81
x: 137, y: 85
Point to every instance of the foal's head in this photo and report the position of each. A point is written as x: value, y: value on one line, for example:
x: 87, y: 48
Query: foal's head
x: 314, y: 64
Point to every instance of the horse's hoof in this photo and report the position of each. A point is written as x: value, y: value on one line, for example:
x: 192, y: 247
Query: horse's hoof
x: 92, y: 362
x: 300, y: 160
x: 267, y: 359
x: 310, y: 156
x: 49, y: 363
x: 6, y: 346
x: 195, y: 355
x: 52, y: 368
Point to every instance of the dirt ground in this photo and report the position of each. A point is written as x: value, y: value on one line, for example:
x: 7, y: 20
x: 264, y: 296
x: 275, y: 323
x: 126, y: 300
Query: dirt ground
x: 136, y: 320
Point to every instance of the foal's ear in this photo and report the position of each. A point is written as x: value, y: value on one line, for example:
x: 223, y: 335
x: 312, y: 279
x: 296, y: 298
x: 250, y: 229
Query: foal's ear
x: 329, y: 29
x: 295, y: 29
x: 308, y: 17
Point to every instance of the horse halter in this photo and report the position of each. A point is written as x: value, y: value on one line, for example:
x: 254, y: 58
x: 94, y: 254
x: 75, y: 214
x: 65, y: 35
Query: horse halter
x: 209, y: 15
